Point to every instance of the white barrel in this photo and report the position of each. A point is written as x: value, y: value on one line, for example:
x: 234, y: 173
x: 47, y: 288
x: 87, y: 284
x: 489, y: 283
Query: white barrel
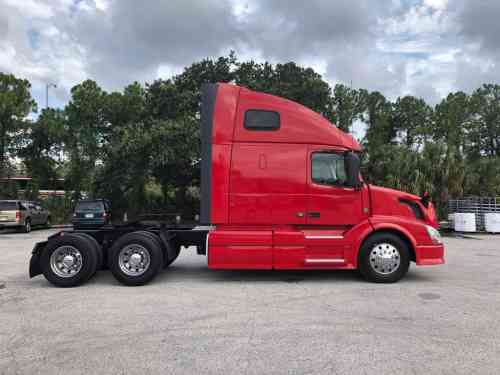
x: 465, y: 222
x: 492, y: 222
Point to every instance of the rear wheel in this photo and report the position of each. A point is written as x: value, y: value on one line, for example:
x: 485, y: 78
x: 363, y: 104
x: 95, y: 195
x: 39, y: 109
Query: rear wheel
x: 97, y: 247
x: 136, y: 258
x: 384, y: 258
x: 27, y: 226
x: 68, y: 260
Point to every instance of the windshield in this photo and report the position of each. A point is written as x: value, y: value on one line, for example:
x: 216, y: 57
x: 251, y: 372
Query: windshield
x: 89, y: 206
x: 8, y: 206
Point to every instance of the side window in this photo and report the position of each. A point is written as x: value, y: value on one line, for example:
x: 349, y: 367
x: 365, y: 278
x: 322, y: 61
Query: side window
x: 328, y: 169
x: 256, y: 119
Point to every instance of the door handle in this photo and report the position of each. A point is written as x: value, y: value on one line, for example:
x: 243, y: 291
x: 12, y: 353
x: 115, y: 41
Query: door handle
x: 314, y: 215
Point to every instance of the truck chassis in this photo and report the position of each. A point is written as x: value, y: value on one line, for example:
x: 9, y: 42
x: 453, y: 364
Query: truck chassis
x: 134, y: 252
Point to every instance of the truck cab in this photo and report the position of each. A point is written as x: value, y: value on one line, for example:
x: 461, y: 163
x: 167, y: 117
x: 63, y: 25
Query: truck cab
x: 281, y: 188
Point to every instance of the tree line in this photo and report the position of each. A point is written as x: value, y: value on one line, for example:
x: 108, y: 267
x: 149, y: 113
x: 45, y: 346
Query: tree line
x: 139, y: 147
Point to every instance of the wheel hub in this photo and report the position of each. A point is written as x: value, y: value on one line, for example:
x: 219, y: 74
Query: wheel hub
x: 134, y: 260
x: 385, y: 258
x: 66, y: 261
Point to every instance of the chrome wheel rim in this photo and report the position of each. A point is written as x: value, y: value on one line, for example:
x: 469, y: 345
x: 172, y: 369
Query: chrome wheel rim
x: 66, y: 261
x: 134, y: 260
x: 28, y: 227
x: 385, y: 258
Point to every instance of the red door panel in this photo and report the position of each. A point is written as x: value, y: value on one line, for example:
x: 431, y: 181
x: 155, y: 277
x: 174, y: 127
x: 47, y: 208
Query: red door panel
x: 334, y: 206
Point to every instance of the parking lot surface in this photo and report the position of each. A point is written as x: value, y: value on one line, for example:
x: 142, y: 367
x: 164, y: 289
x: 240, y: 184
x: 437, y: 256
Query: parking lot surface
x: 191, y: 320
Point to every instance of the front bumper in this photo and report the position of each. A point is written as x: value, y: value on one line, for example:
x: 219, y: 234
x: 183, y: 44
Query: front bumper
x: 429, y: 255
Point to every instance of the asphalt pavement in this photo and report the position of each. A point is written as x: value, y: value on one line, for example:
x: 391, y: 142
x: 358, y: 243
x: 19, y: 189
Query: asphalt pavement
x: 191, y: 320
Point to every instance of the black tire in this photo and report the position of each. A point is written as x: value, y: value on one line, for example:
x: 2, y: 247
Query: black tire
x: 47, y: 223
x: 146, y: 241
x: 152, y: 236
x: 88, y: 255
x: 383, y: 242
x: 27, y: 226
x: 97, y: 247
x: 159, y: 242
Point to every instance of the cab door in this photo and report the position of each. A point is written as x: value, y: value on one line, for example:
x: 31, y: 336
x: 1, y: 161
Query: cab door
x: 332, y: 208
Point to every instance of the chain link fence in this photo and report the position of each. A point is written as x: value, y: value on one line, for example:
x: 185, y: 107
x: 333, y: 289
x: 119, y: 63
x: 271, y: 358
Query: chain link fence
x: 476, y: 205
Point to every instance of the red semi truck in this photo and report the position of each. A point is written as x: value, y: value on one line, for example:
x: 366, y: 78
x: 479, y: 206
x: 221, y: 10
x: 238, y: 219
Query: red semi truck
x: 280, y: 189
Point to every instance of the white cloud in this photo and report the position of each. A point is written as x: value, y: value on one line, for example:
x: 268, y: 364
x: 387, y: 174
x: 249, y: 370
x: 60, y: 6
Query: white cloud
x: 420, y: 47
x: 436, y: 4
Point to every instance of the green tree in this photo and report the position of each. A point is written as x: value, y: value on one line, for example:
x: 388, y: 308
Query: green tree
x: 125, y: 156
x: 176, y: 146
x: 411, y: 118
x: 86, y: 134
x: 290, y: 81
x: 15, y: 104
x: 43, y: 146
x: 349, y: 105
x: 485, y: 125
x: 451, y: 120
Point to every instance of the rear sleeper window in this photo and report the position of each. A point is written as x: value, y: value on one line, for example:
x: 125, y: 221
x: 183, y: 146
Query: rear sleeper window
x: 262, y: 120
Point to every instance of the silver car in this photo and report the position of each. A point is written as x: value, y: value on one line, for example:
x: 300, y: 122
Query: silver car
x: 22, y: 215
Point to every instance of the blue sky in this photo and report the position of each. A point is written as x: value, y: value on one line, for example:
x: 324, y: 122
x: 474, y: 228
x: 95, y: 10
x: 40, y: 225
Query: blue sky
x: 425, y: 48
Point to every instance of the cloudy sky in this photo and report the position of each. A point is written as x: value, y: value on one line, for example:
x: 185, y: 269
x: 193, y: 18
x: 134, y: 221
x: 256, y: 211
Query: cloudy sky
x: 422, y: 47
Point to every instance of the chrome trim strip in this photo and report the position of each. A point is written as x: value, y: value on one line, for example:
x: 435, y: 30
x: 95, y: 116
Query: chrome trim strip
x: 325, y: 260
x: 324, y: 237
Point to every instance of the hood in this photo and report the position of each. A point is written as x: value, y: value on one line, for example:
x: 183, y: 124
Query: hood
x: 393, y: 193
x: 393, y: 202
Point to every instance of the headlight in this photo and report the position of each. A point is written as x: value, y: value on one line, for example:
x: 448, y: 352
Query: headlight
x: 434, y: 234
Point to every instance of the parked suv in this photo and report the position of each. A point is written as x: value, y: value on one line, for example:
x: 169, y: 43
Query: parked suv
x: 92, y: 213
x: 22, y: 215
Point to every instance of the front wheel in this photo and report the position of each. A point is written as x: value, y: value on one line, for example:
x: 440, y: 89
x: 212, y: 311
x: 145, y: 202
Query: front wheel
x: 384, y: 258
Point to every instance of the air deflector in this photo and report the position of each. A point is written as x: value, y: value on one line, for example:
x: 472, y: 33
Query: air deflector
x: 208, y: 97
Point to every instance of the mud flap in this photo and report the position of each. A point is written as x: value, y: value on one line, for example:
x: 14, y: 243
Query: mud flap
x: 35, y: 268
x: 167, y: 239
